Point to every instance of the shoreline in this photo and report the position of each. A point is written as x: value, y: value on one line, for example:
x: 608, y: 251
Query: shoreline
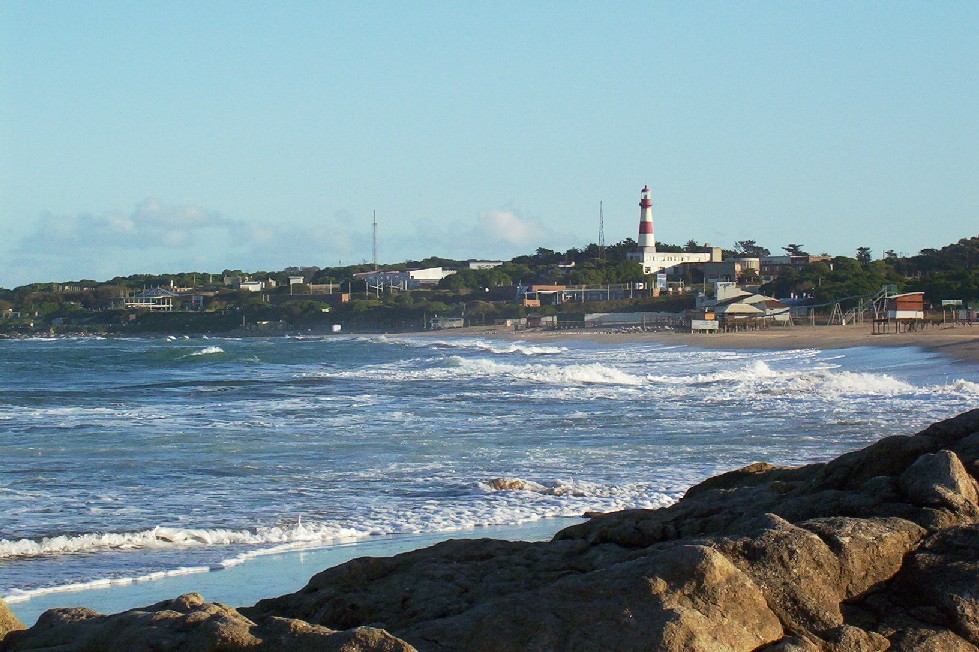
x: 262, y: 575
x: 960, y: 343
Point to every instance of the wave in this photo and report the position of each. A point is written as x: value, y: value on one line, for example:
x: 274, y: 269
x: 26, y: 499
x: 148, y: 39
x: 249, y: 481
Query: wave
x: 499, y: 348
x: 592, y: 373
x: 170, y: 537
x: 488, y: 504
x: 457, y: 367
x: 207, y: 350
x: 825, y: 380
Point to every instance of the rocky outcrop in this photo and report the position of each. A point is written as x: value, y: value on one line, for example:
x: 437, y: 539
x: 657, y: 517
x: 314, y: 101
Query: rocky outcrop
x: 189, y: 623
x: 8, y: 621
x: 876, y: 550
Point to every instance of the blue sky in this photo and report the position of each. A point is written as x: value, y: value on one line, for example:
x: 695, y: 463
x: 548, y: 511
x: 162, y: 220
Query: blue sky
x: 156, y: 137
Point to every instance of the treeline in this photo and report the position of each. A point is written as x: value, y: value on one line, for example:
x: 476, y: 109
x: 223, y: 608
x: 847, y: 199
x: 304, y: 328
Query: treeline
x: 951, y: 272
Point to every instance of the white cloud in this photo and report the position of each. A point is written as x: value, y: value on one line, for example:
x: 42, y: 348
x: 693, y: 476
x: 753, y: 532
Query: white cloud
x: 151, y: 225
x: 506, y: 227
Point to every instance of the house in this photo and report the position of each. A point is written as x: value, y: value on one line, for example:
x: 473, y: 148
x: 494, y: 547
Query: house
x: 251, y: 286
x: 771, y: 267
x: 154, y: 299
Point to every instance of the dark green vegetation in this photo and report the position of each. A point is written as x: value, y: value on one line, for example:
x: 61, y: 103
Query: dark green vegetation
x: 951, y: 272
x: 481, y: 296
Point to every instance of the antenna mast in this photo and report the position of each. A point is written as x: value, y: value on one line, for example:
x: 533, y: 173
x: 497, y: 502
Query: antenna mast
x: 601, y: 233
x: 375, y: 241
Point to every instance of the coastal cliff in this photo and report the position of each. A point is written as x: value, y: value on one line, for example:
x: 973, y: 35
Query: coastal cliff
x: 875, y: 550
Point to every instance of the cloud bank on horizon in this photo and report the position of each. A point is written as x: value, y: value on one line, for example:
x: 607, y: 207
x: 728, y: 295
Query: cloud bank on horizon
x: 185, y: 237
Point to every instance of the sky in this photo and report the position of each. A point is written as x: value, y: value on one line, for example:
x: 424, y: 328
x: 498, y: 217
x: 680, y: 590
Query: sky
x: 154, y: 137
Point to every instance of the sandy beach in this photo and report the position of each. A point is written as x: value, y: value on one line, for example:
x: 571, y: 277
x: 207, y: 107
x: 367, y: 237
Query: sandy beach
x: 959, y: 342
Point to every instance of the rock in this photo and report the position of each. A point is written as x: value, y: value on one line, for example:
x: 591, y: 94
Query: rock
x: 513, y: 596
x: 869, y: 551
x: 188, y: 623
x: 8, y: 621
x: 943, y: 576
x: 930, y: 640
x: 514, y: 484
x: 939, y: 480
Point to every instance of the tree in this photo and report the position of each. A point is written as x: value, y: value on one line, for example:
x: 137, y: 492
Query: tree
x: 691, y: 246
x: 795, y: 250
x: 750, y: 249
x: 863, y: 256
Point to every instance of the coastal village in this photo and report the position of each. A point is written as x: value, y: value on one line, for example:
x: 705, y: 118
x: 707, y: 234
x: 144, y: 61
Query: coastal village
x: 634, y: 284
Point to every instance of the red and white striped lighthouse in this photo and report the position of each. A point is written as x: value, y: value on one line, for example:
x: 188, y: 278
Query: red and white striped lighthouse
x: 647, y: 241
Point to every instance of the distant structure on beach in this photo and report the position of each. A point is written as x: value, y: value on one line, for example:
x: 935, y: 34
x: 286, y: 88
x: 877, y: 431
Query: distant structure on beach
x: 654, y: 262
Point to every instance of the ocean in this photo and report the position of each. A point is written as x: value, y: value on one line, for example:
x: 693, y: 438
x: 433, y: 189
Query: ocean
x: 135, y: 459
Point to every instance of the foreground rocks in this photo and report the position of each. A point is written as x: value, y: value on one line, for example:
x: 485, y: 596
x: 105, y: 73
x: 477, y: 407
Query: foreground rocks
x: 876, y: 550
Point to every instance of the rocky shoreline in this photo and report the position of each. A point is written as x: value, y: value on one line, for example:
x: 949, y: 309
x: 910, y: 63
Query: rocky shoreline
x: 875, y: 550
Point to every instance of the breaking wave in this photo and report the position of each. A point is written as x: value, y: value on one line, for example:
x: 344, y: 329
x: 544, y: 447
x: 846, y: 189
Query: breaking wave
x: 825, y: 380
x: 168, y: 537
x: 208, y: 350
x: 501, y: 348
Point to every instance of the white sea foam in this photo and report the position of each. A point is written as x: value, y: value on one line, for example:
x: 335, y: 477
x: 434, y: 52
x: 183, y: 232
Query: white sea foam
x: 594, y: 373
x: 824, y: 380
x: 962, y: 386
x: 207, y: 350
x: 497, y: 347
x: 458, y: 367
x: 170, y: 537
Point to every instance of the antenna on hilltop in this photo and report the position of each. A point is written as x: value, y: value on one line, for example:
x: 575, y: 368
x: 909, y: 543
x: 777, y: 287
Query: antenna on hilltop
x: 375, y: 241
x: 601, y: 234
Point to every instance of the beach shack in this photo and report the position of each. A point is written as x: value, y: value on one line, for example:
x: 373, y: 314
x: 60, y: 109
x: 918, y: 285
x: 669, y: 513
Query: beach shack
x: 903, y: 313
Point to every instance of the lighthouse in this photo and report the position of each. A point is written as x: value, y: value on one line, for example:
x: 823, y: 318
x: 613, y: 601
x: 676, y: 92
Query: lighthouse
x: 647, y: 241
x: 646, y: 255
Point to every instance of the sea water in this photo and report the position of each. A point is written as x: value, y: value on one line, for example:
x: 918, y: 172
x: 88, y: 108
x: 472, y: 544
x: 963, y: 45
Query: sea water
x: 135, y: 459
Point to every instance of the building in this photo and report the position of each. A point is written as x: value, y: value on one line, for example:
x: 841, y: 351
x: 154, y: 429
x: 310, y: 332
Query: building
x: 441, y: 323
x: 771, y: 267
x: 484, y: 264
x: 652, y: 261
x: 428, y: 277
x: 737, y: 309
x: 404, y: 280
x: 153, y: 299
x: 251, y: 286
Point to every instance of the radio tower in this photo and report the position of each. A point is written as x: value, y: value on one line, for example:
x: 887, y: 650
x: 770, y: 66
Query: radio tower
x: 375, y: 241
x: 601, y: 234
